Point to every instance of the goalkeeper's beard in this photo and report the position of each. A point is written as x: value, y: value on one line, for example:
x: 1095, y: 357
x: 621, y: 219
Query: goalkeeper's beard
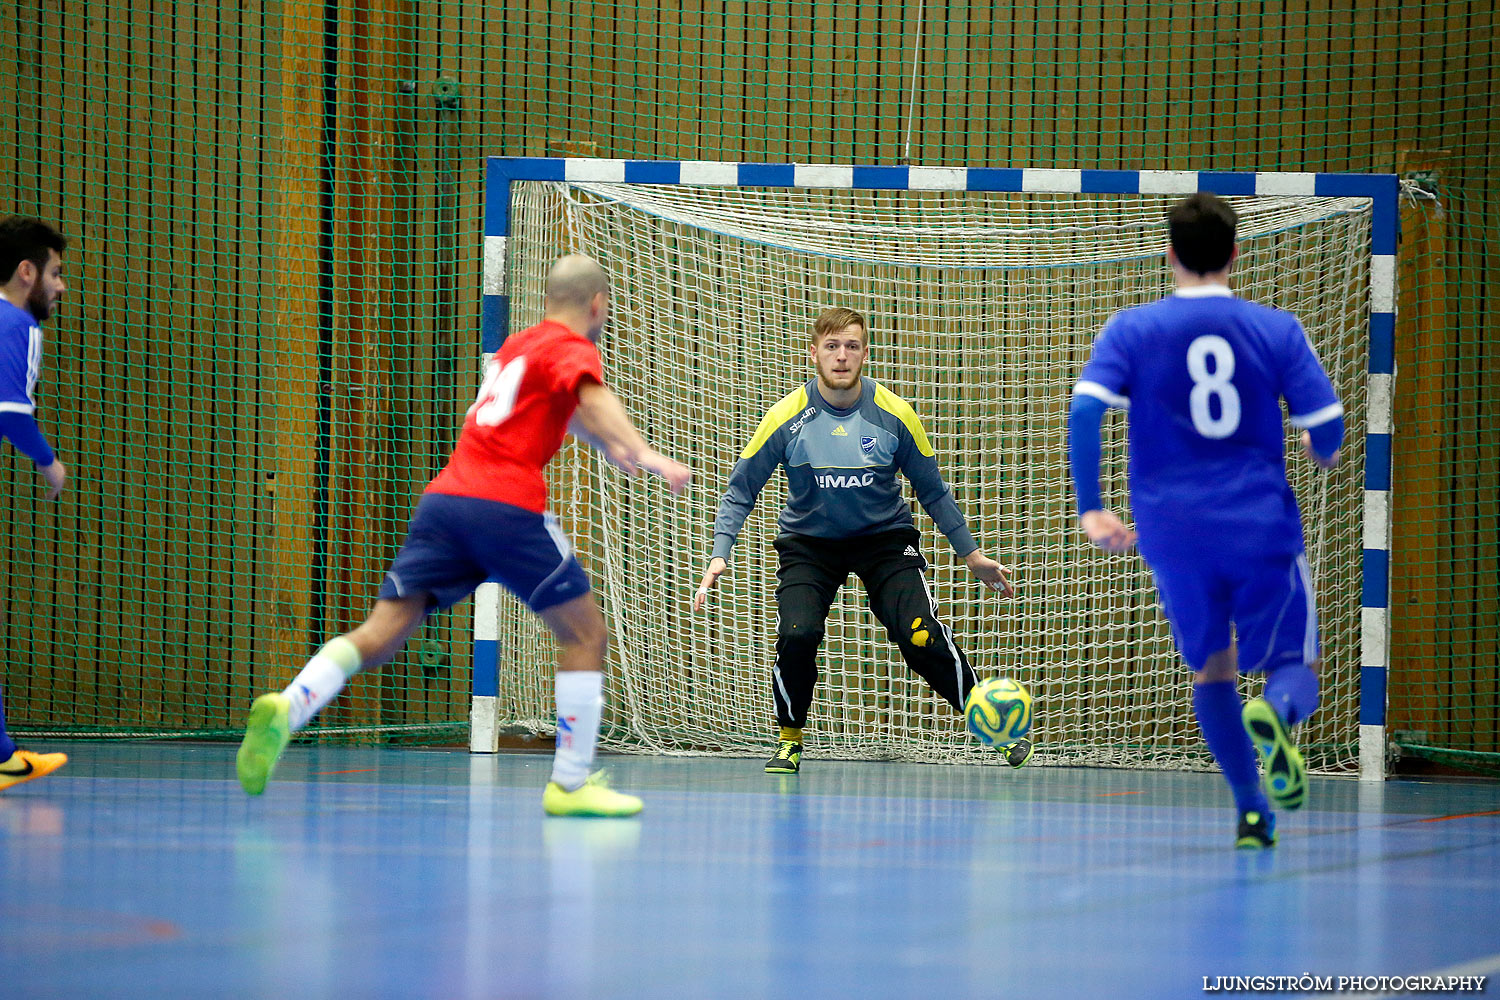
x: 845, y: 380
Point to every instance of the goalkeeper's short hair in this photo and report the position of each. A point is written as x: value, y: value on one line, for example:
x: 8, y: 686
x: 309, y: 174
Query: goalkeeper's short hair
x: 834, y: 319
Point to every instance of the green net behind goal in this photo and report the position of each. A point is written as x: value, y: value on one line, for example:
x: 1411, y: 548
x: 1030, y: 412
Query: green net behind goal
x: 272, y: 320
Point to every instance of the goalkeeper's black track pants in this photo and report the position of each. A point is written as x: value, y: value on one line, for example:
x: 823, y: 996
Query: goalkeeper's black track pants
x: 891, y: 568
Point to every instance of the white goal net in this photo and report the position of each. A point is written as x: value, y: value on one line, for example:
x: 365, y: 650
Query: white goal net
x: 982, y: 309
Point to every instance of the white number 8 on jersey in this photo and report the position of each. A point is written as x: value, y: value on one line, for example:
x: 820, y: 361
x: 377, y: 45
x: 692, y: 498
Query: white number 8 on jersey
x: 1208, y: 384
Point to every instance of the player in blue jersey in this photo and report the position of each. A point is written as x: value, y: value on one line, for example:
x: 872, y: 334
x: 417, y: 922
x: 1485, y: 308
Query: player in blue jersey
x: 31, y: 284
x: 1203, y: 373
x: 842, y: 438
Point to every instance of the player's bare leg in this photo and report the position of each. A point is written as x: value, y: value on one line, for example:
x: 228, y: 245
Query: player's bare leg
x: 583, y: 640
x: 275, y: 717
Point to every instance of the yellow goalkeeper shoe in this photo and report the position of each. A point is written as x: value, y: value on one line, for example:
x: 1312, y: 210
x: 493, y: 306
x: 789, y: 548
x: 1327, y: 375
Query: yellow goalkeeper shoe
x: 266, y: 735
x: 25, y: 766
x: 787, y: 759
x: 592, y: 798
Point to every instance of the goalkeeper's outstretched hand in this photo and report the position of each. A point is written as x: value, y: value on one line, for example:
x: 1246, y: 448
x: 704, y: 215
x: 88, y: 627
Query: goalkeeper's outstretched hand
x: 990, y: 573
x: 716, y: 568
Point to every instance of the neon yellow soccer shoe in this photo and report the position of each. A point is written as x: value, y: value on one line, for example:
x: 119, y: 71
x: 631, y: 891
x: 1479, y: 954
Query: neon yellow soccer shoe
x: 592, y: 798
x: 266, y: 735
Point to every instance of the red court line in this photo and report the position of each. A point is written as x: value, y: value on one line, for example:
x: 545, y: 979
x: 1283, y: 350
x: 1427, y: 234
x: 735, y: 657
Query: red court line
x: 1105, y: 795
x: 356, y: 770
x: 1439, y: 819
x: 54, y: 927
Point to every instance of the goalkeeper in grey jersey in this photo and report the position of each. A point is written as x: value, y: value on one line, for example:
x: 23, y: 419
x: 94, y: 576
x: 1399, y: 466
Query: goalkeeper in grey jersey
x: 842, y: 438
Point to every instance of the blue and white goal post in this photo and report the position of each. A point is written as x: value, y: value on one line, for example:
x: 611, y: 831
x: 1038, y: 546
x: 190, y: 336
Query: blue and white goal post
x: 664, y: 188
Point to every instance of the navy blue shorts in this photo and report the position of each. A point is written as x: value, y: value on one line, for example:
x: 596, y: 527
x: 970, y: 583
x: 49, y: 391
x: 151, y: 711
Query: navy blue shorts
x: 456, y: 543
x: 1268, y: 598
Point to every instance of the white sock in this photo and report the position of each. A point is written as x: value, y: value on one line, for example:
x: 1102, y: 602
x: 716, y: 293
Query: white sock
x: 580, y: 703
x: 321, y: 680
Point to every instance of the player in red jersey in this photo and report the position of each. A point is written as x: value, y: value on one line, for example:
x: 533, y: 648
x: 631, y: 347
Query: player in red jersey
x: 484, y: 517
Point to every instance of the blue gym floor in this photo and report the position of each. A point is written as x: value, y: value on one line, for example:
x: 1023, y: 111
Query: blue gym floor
x: 142, y: 870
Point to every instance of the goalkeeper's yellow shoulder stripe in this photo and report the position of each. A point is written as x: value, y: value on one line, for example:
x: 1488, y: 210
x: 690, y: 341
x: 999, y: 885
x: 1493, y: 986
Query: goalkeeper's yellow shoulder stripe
x: 790, y: 406
x: 901, y: 409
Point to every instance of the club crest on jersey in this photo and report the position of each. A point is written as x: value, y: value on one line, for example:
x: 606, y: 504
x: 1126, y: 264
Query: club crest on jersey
x: 867, y: 445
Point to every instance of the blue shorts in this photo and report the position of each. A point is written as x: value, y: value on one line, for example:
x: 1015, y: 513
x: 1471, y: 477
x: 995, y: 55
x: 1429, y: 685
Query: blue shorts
x: 1268, y: 598
x: 456, y: 543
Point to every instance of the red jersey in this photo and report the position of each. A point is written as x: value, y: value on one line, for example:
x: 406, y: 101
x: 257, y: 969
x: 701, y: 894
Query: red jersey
x: 518, y: 421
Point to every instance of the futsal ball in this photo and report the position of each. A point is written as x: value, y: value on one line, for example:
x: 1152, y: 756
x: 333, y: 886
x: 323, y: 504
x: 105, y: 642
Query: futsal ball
x: 998, y: 711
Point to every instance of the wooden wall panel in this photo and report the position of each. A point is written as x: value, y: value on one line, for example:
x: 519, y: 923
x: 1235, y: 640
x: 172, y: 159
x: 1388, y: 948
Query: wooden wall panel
x: 189, y: 144
x: 241, y: 569
x: 294, y: 88
x: 1425, y: 364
